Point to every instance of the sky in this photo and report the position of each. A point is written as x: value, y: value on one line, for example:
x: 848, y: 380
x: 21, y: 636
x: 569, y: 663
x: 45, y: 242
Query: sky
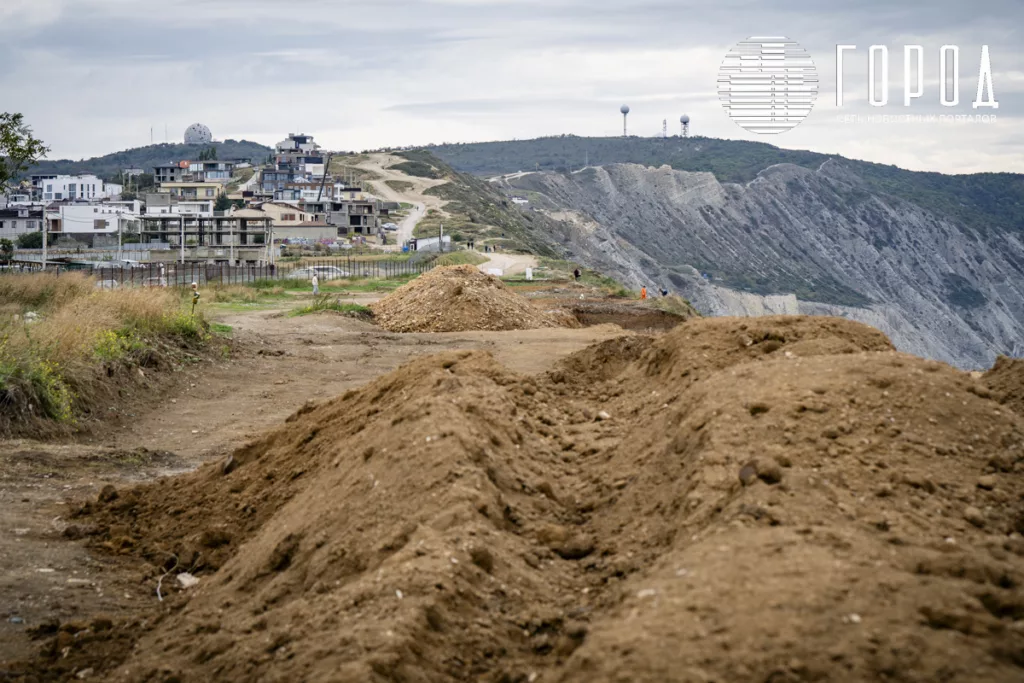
x: 99, y: 76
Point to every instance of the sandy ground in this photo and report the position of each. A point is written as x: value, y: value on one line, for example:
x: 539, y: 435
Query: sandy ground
x: 509, y: 264
x: 277, y: 364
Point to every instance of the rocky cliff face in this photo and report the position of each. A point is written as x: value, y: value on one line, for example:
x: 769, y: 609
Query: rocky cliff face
x: 798, y: 240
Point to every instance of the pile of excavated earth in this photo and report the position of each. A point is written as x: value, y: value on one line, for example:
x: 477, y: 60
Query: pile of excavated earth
x: 460, y: 299
x: 1007, y: 378
x: 769, y: 499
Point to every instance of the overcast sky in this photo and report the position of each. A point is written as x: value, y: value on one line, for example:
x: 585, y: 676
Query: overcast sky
x: 95, y: 76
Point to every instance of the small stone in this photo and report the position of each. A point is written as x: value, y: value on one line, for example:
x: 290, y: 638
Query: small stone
x: 854, y: 618
x: 398, y: 594
x: 84, y: 673
x: 921, y: 482
x: 602, y: 416
x: 482, y: 558
x: 988, y: 482
x: 748, y: 474
x: 16, y: 620
x: 1002, y: 462
x: 974, y: 516
x: 769, y: 471
x: 230, y: 465
x: 646, y: 593
x: 195, y: 431
x: 107, y: 493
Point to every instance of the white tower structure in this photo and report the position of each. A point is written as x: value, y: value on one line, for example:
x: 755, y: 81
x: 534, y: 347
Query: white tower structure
x: 625, y: 112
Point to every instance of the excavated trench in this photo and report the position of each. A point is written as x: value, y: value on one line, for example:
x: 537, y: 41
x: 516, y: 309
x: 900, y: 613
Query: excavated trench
x: 746, y: 500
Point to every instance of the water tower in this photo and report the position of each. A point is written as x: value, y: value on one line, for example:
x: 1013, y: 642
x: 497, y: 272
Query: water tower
x: 625, y: 112
x: 685, y: 121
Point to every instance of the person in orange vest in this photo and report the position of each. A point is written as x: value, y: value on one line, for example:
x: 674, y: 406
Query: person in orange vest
x: 643, y: 292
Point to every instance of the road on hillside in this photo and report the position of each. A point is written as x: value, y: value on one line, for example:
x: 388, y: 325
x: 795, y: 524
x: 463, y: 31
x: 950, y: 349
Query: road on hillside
x: 249, y: 185
x: 421, y: 203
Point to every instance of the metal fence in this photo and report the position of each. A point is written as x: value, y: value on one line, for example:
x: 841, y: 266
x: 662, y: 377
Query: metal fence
x: 184, y: 274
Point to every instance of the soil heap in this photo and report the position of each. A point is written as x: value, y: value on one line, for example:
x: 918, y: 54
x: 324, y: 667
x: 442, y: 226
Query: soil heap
x: 459, y: 299
x: 1007, y: 378
x: 779, y: 499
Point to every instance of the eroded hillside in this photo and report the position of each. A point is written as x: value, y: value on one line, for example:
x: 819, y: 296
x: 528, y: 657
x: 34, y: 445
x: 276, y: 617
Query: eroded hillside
x: 939, y: 288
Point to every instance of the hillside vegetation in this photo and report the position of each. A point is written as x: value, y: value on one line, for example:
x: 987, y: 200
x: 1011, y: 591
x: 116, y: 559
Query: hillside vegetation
x: 982, y: 201
x: 149, y: 156
x: 65, y: 346
x: 479, y: 212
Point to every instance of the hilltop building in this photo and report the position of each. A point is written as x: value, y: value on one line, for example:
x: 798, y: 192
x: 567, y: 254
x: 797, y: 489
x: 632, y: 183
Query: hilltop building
x: 194, y: 172
x: 73, y: 187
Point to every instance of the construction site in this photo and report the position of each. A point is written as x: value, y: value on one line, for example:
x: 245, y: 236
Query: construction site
x: 480, y: 480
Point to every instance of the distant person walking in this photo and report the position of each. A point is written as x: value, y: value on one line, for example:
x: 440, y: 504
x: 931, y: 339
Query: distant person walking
x: 664, y: 292
x: 576, y: 274
x: 195, y: 297
x: 643, y: 292
x: 316, y: 284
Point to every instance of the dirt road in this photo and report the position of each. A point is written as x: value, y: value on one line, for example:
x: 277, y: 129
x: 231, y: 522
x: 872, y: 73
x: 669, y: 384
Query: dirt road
x: 274, y: 365
x: 378, y: 164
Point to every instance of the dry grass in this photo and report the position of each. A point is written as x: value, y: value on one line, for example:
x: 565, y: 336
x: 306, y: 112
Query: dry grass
x: 676, y: 305
x: 37, y: 290
x: 56, y: 365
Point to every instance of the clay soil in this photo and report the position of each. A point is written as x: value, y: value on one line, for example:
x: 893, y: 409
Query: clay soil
x: 1006, y: 378
x: 776, y: 499
x: 170, y: 424
x: 458, y: 299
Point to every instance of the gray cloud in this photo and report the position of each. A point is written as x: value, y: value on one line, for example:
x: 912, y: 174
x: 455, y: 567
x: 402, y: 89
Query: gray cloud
x: 93, y: 76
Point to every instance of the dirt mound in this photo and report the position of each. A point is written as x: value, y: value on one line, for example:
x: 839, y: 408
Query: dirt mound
x: 1007, y: 378
x: 689, y: 508
x: 460, y: 299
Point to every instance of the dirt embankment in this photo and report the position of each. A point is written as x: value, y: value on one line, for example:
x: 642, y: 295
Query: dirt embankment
x: 461, y: 299
x: 774, y: 500
x: 1007, y: 378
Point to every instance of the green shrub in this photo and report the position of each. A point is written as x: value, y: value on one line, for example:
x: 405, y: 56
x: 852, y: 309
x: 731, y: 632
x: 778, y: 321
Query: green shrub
x: 115, y: 345
x: 28, y: 379
x: 324, y: 302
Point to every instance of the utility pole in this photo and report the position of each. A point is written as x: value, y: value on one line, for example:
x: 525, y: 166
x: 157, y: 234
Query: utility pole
x: 181, y: 222
x: 440, y: 238
x: 44, y: 237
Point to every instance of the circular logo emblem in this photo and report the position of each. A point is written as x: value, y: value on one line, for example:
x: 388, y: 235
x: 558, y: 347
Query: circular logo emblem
x: 768, y: 85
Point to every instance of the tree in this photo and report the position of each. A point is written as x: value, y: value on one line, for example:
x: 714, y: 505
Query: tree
x: 18, y: 148
x: 6, y: 250
x: 30, y: 240
x: 223, y: 203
